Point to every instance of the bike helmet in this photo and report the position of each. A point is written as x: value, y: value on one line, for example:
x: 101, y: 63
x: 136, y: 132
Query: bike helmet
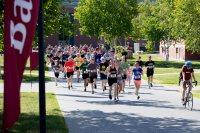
x: 188, y: 63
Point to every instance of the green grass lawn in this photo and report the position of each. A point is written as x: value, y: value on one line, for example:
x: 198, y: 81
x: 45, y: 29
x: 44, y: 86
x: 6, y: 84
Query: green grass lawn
x: 161, y: 63
x: 29, y: 118
x: 196, y: 93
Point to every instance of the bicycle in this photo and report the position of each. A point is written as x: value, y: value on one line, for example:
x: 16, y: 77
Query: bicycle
x: 188, y: 100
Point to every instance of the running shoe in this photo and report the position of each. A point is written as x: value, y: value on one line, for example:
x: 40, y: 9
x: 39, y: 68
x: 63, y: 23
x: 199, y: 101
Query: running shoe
x: 104, y: 87
x: 115, y: 100
x: 92, y: 92
x: 138, y: 97
x: 85, y: 89
x: 69, y: 87
x: 151, y: 84
x: 110, y: 96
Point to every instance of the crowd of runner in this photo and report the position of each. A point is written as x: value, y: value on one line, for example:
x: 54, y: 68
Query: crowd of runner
x: 111, y: 66
x: 90, y: 62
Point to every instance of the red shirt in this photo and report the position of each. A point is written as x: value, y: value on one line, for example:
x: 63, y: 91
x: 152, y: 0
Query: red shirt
x: 69, y: 66
x: 187, y: 72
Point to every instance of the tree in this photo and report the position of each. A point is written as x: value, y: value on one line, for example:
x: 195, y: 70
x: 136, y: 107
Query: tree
x: 53, y: 22
x: 108, y: 18
x: 187, y: 21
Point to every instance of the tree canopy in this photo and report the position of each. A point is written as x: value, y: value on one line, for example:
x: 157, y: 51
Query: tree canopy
x: 108, y: 18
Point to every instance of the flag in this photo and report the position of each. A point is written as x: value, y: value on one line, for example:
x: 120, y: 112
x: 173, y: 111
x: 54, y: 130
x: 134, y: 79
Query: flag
x: 20, y: 17
x: 33, y: 60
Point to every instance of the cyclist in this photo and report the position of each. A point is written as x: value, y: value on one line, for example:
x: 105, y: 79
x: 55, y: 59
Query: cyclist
x: 103, y: 76
x: 85, y: 73
x: 150, y: 71
x: 92, y: 67
x: 78, y: 60
x: 137, y: 72
x: 187, y: 75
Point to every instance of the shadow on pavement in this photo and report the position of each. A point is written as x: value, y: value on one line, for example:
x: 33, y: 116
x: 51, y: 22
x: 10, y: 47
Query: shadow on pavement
x: 92, y: 121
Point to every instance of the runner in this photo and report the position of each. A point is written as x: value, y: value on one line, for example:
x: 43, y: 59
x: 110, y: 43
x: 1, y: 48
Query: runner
x: 103, y: 76
x: 56, y: 69
x: 120, y: 72
x: 85, y: 73
x: 112, y: 79
x: 187, y: 76
x: 137, y: 71
x: 125, y: 66
x: 92, y: 67
x: 150, y: 71
x: 78, y: 60
x: 129, y: 74
x: 141, y: 63
x: 69, y: 67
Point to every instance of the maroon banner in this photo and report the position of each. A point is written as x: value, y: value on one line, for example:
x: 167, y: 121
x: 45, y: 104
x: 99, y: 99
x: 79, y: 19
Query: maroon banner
x: 33, y: 60
x: 20, y: 18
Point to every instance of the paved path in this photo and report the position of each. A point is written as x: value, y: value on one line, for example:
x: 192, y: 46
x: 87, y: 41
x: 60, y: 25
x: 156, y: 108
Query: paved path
x: 158, y: 111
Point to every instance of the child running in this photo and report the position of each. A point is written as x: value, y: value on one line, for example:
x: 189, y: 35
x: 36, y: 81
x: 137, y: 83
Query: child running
x: 137, y: 72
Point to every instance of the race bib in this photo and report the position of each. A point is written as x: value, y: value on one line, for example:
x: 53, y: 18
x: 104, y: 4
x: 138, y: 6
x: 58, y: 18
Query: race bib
x: 150, y: 67
x: 93, y: 71
x: 137, y: 77
x: 113, y: 75
x: 85, y: 72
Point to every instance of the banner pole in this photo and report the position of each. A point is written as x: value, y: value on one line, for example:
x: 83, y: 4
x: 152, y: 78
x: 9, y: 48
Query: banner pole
x: 42, y: 100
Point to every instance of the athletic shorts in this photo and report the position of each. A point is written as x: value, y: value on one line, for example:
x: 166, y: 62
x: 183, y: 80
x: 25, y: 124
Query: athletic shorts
x: 56, y: 74
x: 69, y: 74
x: 92, y: 78
x: 103, y: 76
x: 150, y: 73
x: 85, y: 75
x: 124, y: 76
x: 119, y: 82
x: 137, y: 82
x: 77, y: 68
x: 111, y: 81
x: 129, y: 77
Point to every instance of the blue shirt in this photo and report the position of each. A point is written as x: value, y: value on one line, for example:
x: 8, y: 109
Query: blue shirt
x: 137, y: 73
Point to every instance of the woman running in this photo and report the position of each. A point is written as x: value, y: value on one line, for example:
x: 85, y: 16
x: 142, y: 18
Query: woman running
x: 120, y: 72
x: 56, y: 69
x: 103, y: 76
x: 69, y: 67
x: 125, y: 66
x: 137, y: 71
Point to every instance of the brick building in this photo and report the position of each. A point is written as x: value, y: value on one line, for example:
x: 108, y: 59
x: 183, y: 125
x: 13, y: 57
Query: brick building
x: 178, y: 51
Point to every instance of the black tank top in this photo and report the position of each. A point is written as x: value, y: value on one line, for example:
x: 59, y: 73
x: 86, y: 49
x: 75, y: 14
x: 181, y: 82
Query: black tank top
x: 113, y: 72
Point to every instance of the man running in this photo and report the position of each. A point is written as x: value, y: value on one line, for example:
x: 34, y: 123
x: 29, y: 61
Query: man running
x: 92, y: 68
x: 78, y: 60
x: 125, y: 66
x: 103, y: 76
x: 150, y: 71
x: 69, y: 67
x: 85, y: 73
x: 112, y: 79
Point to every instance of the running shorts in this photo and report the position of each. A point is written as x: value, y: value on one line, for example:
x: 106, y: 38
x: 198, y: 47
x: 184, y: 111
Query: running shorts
x: 85, y: 75
x: 137, y: 82
x: 111, y: 81
x: 103, y: 76
x: 124, y: 76
x: 77, y: 68
x: 92, y: 78
x: 56, y: 74
x: 69, y: 74
x: 150, y: 73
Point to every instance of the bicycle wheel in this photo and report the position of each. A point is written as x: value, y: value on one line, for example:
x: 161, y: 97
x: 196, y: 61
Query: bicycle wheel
x: 190, y: 101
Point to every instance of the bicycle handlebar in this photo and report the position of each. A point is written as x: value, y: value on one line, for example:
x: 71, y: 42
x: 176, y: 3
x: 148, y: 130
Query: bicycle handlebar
x: 195, y: 83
